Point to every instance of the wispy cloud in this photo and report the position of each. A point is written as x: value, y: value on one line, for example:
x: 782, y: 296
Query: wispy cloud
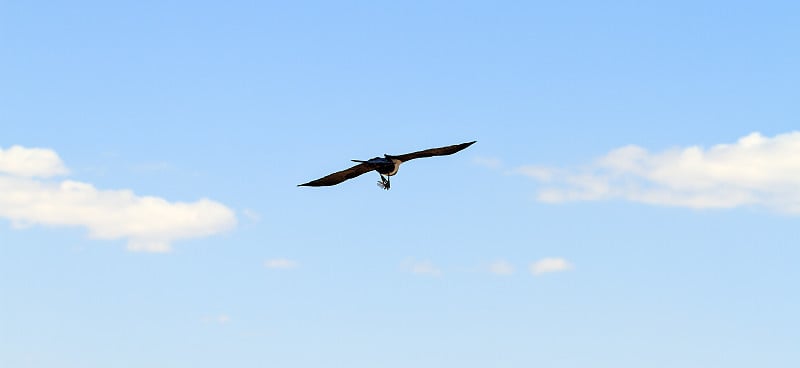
x: 501, y: 267
x: 549, y: 265
x: 280, y: 264
x: 754, y: 170
x: 152, y: 167
x: 149, y: 223
x: 537, y: 172
x: 489, y: 162
x: 251, y: 215
x: 421, y: 267
x: 220, y: 319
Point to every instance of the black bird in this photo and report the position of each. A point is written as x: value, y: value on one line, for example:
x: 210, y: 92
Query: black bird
x: 386, y: 165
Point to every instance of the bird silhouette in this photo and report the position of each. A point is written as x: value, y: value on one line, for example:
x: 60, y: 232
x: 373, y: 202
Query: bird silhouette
x: 386, y: 166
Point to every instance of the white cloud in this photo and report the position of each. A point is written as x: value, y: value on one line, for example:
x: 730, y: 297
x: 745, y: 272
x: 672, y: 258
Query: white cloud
x: 149, y: 224
x: 31, y: 162
x: 424, y: 267
x: 548, y: 265
x: 501, y: 267
x: 755, y: 170
x: 280, y: 263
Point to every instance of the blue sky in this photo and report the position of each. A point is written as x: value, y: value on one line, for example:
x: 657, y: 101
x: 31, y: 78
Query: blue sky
x: 632, y: 199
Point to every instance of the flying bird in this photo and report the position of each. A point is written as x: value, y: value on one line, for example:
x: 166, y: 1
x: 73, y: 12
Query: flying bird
x: 386, y: 166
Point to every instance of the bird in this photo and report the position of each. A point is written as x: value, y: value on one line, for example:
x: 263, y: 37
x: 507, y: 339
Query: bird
x: 386, y: 166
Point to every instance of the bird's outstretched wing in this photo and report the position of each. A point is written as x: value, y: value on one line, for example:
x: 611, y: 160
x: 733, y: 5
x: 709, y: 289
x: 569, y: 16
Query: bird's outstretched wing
x: 340, y: 176
x: 441, y: 151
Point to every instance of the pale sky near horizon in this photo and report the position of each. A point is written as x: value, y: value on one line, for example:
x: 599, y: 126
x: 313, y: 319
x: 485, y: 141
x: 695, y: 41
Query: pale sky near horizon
x: 632, y: 200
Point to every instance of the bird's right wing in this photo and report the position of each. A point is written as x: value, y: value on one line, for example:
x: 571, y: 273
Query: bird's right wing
x: 441, y: 151
x: 340, y: 176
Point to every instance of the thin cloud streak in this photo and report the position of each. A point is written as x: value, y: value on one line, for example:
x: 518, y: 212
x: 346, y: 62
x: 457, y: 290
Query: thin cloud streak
x: 501, y: 268
x: 488, y: 162
x: 422, y: 268
x: 550, y: 265
x: 251, y: 215
x: 221, y: 319
x: 280, y: 264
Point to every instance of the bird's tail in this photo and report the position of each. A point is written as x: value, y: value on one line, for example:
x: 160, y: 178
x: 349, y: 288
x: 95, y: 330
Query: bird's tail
x: 362, y: 161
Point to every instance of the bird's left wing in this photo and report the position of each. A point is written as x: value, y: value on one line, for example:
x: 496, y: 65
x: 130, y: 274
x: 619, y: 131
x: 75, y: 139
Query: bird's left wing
x: 340, y: 176
x: 441, y: 151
